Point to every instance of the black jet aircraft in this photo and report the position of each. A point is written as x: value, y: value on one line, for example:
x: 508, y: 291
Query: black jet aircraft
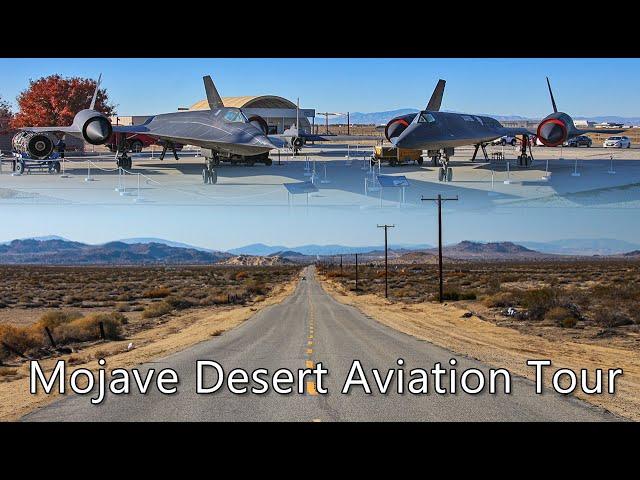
x: 558, y: 127
x: 439, y: 133
x: 218, y: 131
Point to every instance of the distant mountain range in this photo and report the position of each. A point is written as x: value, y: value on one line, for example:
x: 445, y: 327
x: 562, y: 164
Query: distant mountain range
x: 54, y: 250
x: 322, y: 250
x: 583, y: 246
x: 380, y: 118
x: 65, y: 252
x: 169, y: 243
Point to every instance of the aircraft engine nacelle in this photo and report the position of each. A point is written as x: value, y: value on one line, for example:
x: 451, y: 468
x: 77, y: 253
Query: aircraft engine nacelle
x: 94, y: 126
x: 260, y: 123
x: 555, y: 129
x: 38, y: 146
x: 397, y: 125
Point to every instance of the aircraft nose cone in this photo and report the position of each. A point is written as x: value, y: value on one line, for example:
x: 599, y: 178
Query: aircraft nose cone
x: 254, y: 137
x: 264, y: 141
x: 404, y: 139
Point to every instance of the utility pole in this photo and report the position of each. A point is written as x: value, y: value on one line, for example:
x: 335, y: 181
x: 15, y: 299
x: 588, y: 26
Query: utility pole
x: 326, y: 118
x: 356, y: 272
x: 386, y: 260
x: 439, y: 201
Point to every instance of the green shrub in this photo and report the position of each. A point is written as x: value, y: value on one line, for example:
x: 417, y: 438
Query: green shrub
x: 538, y: 301
x: 454, y: 295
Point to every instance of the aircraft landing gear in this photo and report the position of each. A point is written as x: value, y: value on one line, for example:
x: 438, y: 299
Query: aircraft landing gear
x: 484, y: 152
x: 124, y: 161
x: 524, y: 159
x: 209, y: 172
x: 165, y: 147
x: 445, y: 172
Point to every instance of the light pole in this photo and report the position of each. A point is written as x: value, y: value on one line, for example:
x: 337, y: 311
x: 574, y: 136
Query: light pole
x: 386, y: 260
x: 439, y: 201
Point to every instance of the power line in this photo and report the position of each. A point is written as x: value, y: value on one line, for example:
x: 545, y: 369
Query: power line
x: 439, y: 199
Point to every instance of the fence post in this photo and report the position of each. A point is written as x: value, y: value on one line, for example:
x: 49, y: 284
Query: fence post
x: 53, y: 342
x: 104, y: 337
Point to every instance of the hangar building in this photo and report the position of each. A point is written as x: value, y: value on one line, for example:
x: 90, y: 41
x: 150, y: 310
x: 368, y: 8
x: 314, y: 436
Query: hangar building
x: 278, y: 112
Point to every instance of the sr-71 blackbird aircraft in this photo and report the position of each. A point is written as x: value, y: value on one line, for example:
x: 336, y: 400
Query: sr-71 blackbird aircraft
x: 226, y: 131
x: 220, y: 131
x: 440, y: 132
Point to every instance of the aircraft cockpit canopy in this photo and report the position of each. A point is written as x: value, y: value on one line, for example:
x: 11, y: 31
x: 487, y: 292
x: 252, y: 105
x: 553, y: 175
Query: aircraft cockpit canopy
x: 234, y: 115
x: 426, y: 117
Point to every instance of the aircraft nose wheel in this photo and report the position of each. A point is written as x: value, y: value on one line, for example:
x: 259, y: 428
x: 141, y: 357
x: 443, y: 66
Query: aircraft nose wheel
x: 209, y: 176
x: 209, y: 172
x: 125, y: 162
x: 445, y: 174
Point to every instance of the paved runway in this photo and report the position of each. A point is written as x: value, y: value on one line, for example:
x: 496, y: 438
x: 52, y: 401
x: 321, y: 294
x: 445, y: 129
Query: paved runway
x: 576, y: 177
x: 307, y: 328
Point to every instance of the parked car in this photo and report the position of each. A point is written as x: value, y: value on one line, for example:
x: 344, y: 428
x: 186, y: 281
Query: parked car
x: 136, y: 142
x: 617, y: 142
x: 505, y: 140
x: 579, y: 141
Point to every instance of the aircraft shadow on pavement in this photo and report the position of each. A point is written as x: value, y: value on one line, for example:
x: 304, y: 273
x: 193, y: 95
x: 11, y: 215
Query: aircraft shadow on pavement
x: 350, y: 179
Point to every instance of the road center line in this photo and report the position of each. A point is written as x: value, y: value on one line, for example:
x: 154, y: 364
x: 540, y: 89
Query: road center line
x: 311, y: 388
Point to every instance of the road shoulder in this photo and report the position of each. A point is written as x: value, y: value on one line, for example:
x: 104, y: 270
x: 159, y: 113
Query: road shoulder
x: 178, y: 333
x: 445, y: 326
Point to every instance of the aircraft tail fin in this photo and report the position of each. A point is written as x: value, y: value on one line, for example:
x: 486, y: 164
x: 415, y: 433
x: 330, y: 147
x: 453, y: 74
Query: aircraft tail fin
x: 213, y: 97
x: 95, y: 93
x: 553, y: 101
x: 436, y: 97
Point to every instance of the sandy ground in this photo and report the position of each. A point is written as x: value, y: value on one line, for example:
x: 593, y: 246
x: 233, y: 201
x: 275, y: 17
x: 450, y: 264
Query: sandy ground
x: 178, y: 333
x: 503, y: 347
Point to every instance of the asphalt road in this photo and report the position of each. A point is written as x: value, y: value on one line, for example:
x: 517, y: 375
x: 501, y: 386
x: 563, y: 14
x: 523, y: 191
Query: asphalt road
x: 310, y: 326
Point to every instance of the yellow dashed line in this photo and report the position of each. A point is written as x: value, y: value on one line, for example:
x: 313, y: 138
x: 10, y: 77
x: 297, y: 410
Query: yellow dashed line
x: 310, y: 342
x: 316, y: 420
x: 310, y: 337
x: 309, y: 351
x: 311, y: 388
x: 308, y: 364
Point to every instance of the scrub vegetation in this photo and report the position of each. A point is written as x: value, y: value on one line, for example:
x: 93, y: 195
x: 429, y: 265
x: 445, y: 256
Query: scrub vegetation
x: 93, y: 304
x: 568, y: 294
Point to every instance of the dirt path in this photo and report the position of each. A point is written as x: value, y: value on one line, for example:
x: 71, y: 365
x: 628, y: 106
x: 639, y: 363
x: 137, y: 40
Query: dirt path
x: 178, y: 333
x: 444, y: 326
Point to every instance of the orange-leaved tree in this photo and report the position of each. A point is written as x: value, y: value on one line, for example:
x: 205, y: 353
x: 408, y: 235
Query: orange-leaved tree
x: 55, y: 100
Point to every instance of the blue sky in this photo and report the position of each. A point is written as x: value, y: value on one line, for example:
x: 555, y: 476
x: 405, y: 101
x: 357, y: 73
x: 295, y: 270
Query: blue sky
x: 583, y: 87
